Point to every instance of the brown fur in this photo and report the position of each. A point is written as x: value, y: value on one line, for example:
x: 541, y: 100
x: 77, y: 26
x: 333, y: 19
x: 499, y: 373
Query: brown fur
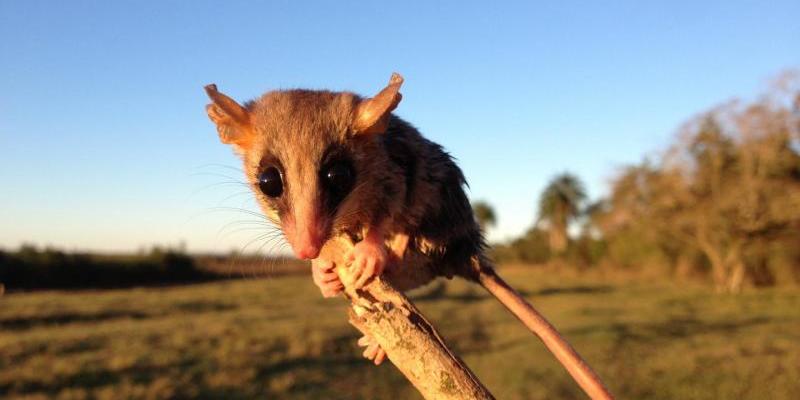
x: 404, y: 182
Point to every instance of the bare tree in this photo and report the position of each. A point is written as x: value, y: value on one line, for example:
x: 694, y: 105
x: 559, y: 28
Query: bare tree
x: 729, y: 188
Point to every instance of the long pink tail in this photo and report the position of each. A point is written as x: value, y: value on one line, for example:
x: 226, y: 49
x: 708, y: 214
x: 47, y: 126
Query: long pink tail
x: 566, y: 355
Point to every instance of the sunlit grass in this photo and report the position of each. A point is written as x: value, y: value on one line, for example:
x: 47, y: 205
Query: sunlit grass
x: 277, y: 338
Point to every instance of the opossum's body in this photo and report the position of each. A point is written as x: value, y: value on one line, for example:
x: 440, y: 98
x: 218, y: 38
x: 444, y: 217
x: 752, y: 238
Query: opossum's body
x: 325, y: 164
x: 436, y: 213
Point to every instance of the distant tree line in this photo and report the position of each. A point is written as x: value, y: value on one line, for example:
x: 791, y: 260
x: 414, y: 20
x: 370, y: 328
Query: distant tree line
x: 721, y: 203
x: 32, y: 268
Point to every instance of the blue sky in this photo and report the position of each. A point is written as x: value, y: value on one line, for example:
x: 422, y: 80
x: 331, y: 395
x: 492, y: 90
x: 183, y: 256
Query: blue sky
x: 106, y: 146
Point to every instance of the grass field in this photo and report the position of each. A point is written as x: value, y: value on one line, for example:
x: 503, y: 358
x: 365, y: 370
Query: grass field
x: 277, y: 338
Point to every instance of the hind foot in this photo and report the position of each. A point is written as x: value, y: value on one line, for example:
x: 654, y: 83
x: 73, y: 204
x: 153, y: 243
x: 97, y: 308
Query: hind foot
x: 373, y: 350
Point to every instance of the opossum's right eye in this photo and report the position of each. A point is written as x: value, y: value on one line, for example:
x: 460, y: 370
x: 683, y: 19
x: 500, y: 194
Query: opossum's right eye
x: 270, y: 182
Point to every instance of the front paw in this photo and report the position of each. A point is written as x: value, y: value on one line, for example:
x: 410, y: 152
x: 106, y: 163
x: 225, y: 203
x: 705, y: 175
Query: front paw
x: 326, y: 278
x: 367, y: 260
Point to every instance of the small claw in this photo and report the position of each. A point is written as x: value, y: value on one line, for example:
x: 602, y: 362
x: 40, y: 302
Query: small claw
x: 366, y: 273
x: 326, y: 279
x: 332, y: 291
x: 380, y: 356
x: 326, y: 266
x: 368, y: 260
x: 372, y: 351
x: 329, y: 277
x: 360, y: 269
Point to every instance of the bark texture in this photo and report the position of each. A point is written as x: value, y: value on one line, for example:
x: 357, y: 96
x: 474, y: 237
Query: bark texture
x: 410, y: 341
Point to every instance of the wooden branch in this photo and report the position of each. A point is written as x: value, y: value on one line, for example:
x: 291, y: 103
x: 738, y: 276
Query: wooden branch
x: 410, y: 341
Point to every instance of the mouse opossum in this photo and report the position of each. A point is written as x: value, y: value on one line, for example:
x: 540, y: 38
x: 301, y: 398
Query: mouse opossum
x: 324, y: 164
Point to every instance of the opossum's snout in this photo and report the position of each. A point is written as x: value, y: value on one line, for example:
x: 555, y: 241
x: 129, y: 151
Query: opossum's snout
x: 307, y: 245
x: 306, y: 233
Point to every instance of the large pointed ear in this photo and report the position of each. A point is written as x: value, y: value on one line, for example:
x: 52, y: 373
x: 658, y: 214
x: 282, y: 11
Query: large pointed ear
x: 232, y: 120
x: 372, y: 115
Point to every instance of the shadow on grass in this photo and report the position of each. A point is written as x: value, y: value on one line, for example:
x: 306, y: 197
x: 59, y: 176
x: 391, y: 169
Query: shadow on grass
x: 671, y: 329
x: 338, y: 371
x: 583, y: 289
x: 204, y: 306
x: 90, y: 377
x: 84, y: 378
x: 24, y: 323
x: 325, y: 377
x: 438, y: 291
x: 334, y: 370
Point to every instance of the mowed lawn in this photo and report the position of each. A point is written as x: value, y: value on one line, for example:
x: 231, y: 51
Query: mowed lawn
x: 278, y: 338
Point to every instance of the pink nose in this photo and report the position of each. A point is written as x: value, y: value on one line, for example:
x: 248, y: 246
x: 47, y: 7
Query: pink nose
x: 306, y: 252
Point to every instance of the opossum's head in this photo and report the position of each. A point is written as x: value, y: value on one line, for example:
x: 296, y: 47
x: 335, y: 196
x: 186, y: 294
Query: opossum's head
x: 312, y: 157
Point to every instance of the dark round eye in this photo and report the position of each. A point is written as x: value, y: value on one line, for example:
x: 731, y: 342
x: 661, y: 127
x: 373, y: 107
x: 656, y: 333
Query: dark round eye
x: 270, y: 182
x: 339, y: 177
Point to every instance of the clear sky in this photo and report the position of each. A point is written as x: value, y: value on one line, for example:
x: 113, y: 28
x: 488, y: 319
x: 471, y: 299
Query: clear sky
x: 106, y: 145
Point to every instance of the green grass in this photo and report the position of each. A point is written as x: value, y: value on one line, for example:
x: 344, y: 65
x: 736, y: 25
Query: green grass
x: 277, y: 338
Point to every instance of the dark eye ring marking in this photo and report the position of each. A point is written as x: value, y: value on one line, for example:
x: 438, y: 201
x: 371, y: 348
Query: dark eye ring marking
x: 338, y: 177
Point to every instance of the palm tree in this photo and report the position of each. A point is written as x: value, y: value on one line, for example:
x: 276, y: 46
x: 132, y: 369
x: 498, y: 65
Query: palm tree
x: 484, y: 213
x: 559, y: 204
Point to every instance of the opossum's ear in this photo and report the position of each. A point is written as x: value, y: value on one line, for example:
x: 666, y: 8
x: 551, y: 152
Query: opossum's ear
x: 232, y: 120
x: 372, y: 115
